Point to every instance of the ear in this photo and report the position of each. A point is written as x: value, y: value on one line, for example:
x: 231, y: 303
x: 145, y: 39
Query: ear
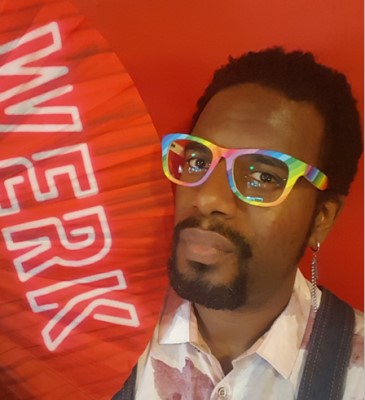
x: 327, y: 213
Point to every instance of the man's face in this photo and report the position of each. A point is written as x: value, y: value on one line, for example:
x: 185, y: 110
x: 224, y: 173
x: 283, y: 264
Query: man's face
x: 227, y: 253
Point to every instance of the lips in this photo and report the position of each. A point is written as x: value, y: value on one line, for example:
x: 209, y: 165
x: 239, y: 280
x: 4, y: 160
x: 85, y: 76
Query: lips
x: 205, y: 247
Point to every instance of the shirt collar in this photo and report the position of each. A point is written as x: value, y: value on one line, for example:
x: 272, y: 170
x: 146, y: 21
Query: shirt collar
x: 281, y: 343
x: 175, y: 320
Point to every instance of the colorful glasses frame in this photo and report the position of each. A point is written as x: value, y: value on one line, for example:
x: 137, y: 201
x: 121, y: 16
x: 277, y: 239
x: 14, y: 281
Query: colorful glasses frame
x: 296, y: 168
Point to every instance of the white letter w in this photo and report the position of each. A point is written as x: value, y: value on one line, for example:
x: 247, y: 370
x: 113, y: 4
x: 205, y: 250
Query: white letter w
x: 37, y: 45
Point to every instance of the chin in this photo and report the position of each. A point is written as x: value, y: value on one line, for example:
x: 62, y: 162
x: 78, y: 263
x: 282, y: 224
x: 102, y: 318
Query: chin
x: 200, y: 291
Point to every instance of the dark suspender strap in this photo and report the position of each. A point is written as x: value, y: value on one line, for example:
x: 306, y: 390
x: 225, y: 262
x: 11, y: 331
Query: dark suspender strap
x: 127, y: 391
x: 329, y: 350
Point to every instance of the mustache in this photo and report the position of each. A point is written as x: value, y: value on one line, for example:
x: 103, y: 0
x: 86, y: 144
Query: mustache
x: 244, y: 250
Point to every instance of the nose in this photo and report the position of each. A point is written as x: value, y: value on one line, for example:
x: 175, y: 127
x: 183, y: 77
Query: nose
x: 215, y: 196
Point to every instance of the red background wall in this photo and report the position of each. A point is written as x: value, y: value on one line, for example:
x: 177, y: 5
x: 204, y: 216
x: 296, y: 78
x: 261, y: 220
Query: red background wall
x: 171, y: 48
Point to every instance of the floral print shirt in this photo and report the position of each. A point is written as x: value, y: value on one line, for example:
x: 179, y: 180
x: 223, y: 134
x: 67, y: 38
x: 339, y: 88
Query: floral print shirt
x: 178, y: 365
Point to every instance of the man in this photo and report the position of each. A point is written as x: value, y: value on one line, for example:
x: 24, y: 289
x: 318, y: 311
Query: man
x: 262, y: 175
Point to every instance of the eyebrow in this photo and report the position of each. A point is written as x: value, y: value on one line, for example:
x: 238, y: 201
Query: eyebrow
x: 268, y: 160
x: 195, y: 146
x: 191, y: 146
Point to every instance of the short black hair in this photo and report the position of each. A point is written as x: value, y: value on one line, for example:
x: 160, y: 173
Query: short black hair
x: 299, y: 77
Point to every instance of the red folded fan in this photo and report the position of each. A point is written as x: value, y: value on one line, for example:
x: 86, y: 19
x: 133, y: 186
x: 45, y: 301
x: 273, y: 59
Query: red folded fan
x: 84, y: 209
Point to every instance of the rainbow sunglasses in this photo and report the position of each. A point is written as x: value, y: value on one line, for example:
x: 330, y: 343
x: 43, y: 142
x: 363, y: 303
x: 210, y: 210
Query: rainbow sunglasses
x: 261, y: 178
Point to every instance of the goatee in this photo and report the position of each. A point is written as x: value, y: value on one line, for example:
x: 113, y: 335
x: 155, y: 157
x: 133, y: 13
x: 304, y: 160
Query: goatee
x: 199, y: 290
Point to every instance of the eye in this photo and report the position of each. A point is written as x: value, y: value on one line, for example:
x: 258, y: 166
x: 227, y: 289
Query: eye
x: 264, y: 180
x: 197, y: 164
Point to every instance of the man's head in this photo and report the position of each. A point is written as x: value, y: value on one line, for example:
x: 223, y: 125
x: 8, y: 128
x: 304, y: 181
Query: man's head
x: 227, y: 252
x: 299, y: 77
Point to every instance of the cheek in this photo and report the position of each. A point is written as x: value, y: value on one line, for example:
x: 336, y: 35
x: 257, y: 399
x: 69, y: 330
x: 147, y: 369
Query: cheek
x: 282, y: 231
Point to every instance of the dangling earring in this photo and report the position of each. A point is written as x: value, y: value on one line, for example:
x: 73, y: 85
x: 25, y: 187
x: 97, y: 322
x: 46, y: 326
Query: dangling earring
x: 314, y: 277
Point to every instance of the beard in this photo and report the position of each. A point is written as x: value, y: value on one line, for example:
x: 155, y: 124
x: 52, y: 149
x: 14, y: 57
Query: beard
x: 199, y: 290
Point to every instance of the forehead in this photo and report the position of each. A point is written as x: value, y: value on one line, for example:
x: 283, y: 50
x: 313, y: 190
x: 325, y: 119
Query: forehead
x: 254, y: 116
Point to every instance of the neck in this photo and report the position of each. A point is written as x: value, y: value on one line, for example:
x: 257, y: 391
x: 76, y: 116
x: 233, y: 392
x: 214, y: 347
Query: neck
x: 231, y: 333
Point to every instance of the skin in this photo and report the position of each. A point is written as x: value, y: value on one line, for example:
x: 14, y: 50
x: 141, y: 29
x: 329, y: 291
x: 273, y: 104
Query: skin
x: 253, y: 116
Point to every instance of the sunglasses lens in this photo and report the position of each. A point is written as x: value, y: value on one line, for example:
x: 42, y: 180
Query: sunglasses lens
x: 260, y: 178
x: 188, y: 161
